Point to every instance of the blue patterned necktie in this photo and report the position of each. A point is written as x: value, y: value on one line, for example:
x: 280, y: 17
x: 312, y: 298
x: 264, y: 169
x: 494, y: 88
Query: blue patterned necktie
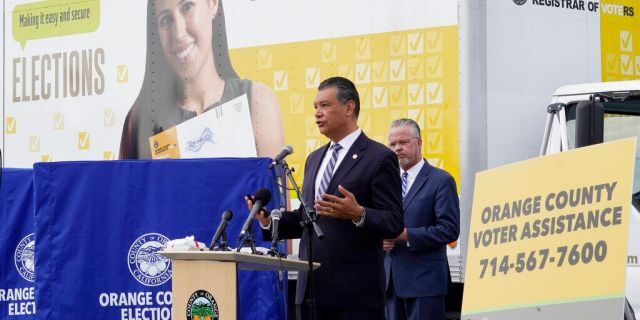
x: 328, y: 172
x: 405, y: 175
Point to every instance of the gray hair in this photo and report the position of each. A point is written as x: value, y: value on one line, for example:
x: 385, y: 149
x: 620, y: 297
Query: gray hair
x: 407, y: 122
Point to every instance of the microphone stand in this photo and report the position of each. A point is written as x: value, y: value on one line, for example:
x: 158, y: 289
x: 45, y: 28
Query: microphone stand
x: 224, y: 246
x: 309, y: 223
x: 248, y: 238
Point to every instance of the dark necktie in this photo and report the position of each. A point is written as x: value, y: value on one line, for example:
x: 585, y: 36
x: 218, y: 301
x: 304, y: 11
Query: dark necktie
x: 328, y: 172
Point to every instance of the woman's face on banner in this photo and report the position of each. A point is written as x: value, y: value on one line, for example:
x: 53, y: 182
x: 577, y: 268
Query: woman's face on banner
x: 185, y: 30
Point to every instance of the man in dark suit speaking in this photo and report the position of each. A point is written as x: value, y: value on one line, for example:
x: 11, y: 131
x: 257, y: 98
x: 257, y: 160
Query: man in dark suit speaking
x: 354, y: 186
x: 416, y: 265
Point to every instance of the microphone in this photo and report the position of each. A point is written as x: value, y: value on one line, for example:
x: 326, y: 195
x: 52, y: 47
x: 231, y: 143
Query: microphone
x: 287, y: 150
x: 275, y: 220
x: 260, y: 199
x: 226, y: 217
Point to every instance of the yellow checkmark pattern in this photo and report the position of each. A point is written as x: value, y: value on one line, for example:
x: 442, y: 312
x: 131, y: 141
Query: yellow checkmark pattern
x: 34, y: 144
x: 84, y: 141
x: 122, y: 73
x: 408, y: 73
x: 108, y: 155
x: 58, y: 121
x: 264, y: 58
x: 11, y: 125
x: 328, y: 52
x: 109, y: 119
x: 312, y: 77
x: 296, y: 103
x: 380, y: 97
x: 620, y: 48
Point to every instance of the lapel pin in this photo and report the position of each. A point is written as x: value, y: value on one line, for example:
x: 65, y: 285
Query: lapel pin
x: 355, y: 156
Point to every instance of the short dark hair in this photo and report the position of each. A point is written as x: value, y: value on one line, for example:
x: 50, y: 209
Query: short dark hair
x: 409, y: 123
x: 345, y: 91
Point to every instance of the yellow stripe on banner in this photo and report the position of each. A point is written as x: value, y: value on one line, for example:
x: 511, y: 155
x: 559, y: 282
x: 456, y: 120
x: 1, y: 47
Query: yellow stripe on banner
x: 410, y: 73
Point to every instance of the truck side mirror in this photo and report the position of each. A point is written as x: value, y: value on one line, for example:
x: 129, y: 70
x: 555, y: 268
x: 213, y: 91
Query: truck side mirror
x: 589, y: 123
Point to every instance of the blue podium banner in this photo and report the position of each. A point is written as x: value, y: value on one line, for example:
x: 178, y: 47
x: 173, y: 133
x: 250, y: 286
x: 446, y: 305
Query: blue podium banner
x: 100, y: 225
x: 17, y: 241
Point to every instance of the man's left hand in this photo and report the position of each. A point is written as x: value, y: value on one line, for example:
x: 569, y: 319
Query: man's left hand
x: 403, y: 236
x: 340, y: 208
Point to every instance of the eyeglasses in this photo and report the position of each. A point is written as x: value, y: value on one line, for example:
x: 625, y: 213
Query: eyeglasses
x: 401, y: 143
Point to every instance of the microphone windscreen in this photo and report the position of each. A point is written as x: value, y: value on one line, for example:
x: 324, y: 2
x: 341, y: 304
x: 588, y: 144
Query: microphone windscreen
x: 227, y: 215
x: 264, y: 195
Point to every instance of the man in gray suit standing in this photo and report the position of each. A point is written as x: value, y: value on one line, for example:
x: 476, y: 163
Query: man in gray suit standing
x: 417, y: 270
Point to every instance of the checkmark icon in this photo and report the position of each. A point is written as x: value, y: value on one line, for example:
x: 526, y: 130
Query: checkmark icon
x: 435, y: 117
x: 265, y: 58
x: 434, y: 41
x: 363, y: 74
x: 434, y: 92
x: 626, y: 65
x: 364, y: 121
x: 34, y: 143
x: 416, y: 94
x: 296, y: 101
x: 108, y: 155
x: 434, y: 67
x: 415, y: 43
x: 83, y: 140
x: 345, y: 70
x: 398, y: 96
x: 312, y: 127
x: 328, y: 52
x: 626, y: 41
x: 365, y: 97
x: 612, y: 63
x: 417, y: 115
x: 380, y: 97
x: 312, y: 79
x: 436, y: 162
x: 122, y: 73
x: 109, y: 117
x: 363, y: 48
x: 58, y: 121
x: 380, y: 72
x: 11, y: 125
x: 397, y: 45
x: 435, y: 143
x: 280, y: 80
x: 397, y: 70
x: 416, y: 68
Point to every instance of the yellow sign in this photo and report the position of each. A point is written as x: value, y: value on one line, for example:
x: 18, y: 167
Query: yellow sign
x: 620, y: 39
x: 550, y: 230
x: 54, y: 18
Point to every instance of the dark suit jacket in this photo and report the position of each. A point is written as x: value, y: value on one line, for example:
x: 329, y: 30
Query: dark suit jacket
x: 432, y: 219
x: 352, y: 261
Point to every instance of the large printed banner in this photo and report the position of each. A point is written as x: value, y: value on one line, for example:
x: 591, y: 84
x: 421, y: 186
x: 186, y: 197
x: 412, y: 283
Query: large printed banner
x: 100, y: 225
x: 17, y: 245
x: 86, y: 80
x: 548, y: 236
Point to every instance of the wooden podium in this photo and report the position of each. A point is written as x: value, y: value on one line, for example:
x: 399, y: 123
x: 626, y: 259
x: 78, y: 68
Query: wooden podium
x: 206, y: 282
